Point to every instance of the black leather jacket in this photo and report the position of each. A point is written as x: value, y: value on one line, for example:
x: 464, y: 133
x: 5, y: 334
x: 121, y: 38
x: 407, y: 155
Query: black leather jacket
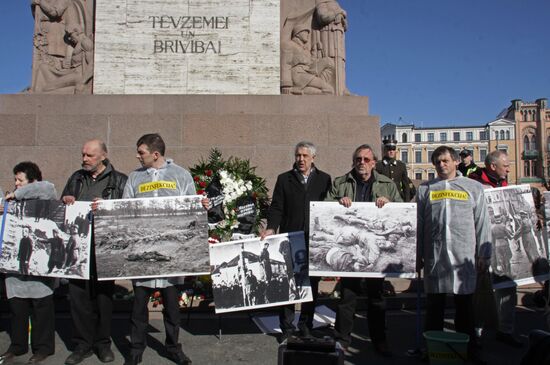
x: 115, y: 185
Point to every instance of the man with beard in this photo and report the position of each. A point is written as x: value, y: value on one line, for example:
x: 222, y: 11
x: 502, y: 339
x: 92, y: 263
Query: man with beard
x: 91, y: 300
x: 289, y: 212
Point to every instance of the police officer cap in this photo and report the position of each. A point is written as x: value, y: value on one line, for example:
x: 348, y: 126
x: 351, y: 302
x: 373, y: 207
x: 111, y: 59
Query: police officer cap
x: 389, y: 143
x: 465, y: 153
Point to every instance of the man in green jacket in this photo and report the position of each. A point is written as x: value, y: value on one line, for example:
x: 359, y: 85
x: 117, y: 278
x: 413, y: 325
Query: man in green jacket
x: 363, y: 184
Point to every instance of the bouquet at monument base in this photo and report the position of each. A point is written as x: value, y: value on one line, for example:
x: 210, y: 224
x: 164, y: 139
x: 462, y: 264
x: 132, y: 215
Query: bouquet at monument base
x: 238, y: 197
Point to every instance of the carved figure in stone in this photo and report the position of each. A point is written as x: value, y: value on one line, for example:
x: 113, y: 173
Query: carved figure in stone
x: 328, y: 39
x: 301, y: 74
x: 326, y: 24
x: 63, y: 46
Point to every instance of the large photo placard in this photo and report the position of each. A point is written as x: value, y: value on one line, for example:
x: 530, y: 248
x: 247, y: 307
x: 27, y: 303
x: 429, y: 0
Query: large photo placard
x: 46, y: 238
x: 362, y: 240
x: 254, y: 273
x: 151, y: 237
x: 519, y: 250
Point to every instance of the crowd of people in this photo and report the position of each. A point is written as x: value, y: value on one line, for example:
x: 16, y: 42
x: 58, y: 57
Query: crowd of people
x: 453, y: 247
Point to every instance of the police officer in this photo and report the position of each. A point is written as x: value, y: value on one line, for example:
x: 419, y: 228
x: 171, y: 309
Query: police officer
x: 396, y: 170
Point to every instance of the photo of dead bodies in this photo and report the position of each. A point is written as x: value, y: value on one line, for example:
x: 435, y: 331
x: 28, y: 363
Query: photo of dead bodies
x: 251, y: 274
x: 46, y: 238
x: 519, y: 250
x: 362, y: 240
x: 151, y: 237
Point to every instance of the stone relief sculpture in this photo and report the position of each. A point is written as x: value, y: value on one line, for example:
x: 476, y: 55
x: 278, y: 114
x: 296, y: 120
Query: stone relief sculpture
x: 63, y: 46
x: 316, y: 27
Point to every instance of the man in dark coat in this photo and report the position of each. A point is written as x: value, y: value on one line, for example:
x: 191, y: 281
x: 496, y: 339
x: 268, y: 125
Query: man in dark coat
x: 57, y: 253
x: 396, y: 170
x: 91, y: 300
x: 289, y: 212
x: 25, y: 252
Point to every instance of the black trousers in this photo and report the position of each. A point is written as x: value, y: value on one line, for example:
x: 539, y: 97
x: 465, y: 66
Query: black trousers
x: 91, y: 310
x: 464, y: 313
x: 42, y: 314
x: 286, y: 313
x: 140, y: 318
x: 376, y: 308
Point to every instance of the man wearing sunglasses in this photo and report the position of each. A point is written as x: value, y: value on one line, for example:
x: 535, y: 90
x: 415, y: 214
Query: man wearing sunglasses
x: 396, y: 170
x: 363, y: 184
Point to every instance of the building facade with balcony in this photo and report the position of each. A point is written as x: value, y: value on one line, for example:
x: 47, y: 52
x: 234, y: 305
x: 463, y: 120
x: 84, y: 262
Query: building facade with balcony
x: 531, y: 121
x: 416, y: 145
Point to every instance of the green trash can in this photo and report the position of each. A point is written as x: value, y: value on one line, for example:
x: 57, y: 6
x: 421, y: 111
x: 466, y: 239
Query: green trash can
x: 446, y: 348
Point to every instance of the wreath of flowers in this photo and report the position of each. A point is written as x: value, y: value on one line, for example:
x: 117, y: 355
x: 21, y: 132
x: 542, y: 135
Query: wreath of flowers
x: 238, y: 180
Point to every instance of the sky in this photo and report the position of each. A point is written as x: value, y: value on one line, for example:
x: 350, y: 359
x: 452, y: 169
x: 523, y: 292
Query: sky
x: 423, y: 62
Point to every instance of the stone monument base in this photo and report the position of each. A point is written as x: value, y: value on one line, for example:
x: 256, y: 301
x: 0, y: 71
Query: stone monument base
x: 50, y: 130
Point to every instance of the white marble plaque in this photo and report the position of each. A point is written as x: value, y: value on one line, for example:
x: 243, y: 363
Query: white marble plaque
x: 187, y: 47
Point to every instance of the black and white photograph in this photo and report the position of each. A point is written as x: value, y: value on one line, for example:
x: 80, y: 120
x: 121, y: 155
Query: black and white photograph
x: 546, y: 207
x: 254, y: 273
x: 519, y: 250
x: 362, y: 240
x: 151, y: 237
x: 46, y: 238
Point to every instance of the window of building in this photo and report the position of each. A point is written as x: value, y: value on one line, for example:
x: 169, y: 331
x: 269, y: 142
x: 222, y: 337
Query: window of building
x: 526, y: 144
x: 443, y: 136
x: 456, y: 136
x: 496, y: 135
x: 405, y: 156
x: 418, y: 175
x: 417, y: 137
x: 404, y: 138
x: 533, y: 143
x: 548, y: 144
x: 418, y: 156
x: 431, y: 175
x: 507, y: 134
x: 482, y: 135
x: 469, y: 136
x: 502, y: 135
x: 430, y: 153
x: 482, y: 154
x: 430, y: 137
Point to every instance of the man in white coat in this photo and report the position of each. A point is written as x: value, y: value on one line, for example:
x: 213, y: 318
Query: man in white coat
x: 454, y: 243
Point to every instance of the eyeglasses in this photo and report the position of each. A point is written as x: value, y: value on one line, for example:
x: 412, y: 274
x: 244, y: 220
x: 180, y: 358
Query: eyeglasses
x: 365, y: 159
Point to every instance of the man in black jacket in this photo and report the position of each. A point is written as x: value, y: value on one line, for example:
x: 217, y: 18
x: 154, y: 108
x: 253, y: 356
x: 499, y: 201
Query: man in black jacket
x: 91, y: 300
x: 289, y: 212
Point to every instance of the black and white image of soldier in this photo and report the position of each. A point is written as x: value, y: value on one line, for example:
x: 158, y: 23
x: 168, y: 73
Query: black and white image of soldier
x: 362, y: 241
x: 518, y: 248
x: 151, y: 237
x: 40, y: 240
x: 251, y: 274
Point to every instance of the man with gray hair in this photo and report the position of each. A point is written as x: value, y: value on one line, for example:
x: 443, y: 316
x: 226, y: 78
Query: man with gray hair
x: 494, y: 175
x: 289, y: 212
x: 363, y: 184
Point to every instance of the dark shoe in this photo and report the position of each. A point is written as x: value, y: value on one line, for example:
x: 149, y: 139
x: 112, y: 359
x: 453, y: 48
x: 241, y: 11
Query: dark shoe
x: 133, y: 360
x: 7, y: 356
x: 180, y: 358
x: 382, y: 348
x: 105, y: 354
x: 284, y: 336
x: 509, y: 339
x: 77, y: 357
x: 37, y: 358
